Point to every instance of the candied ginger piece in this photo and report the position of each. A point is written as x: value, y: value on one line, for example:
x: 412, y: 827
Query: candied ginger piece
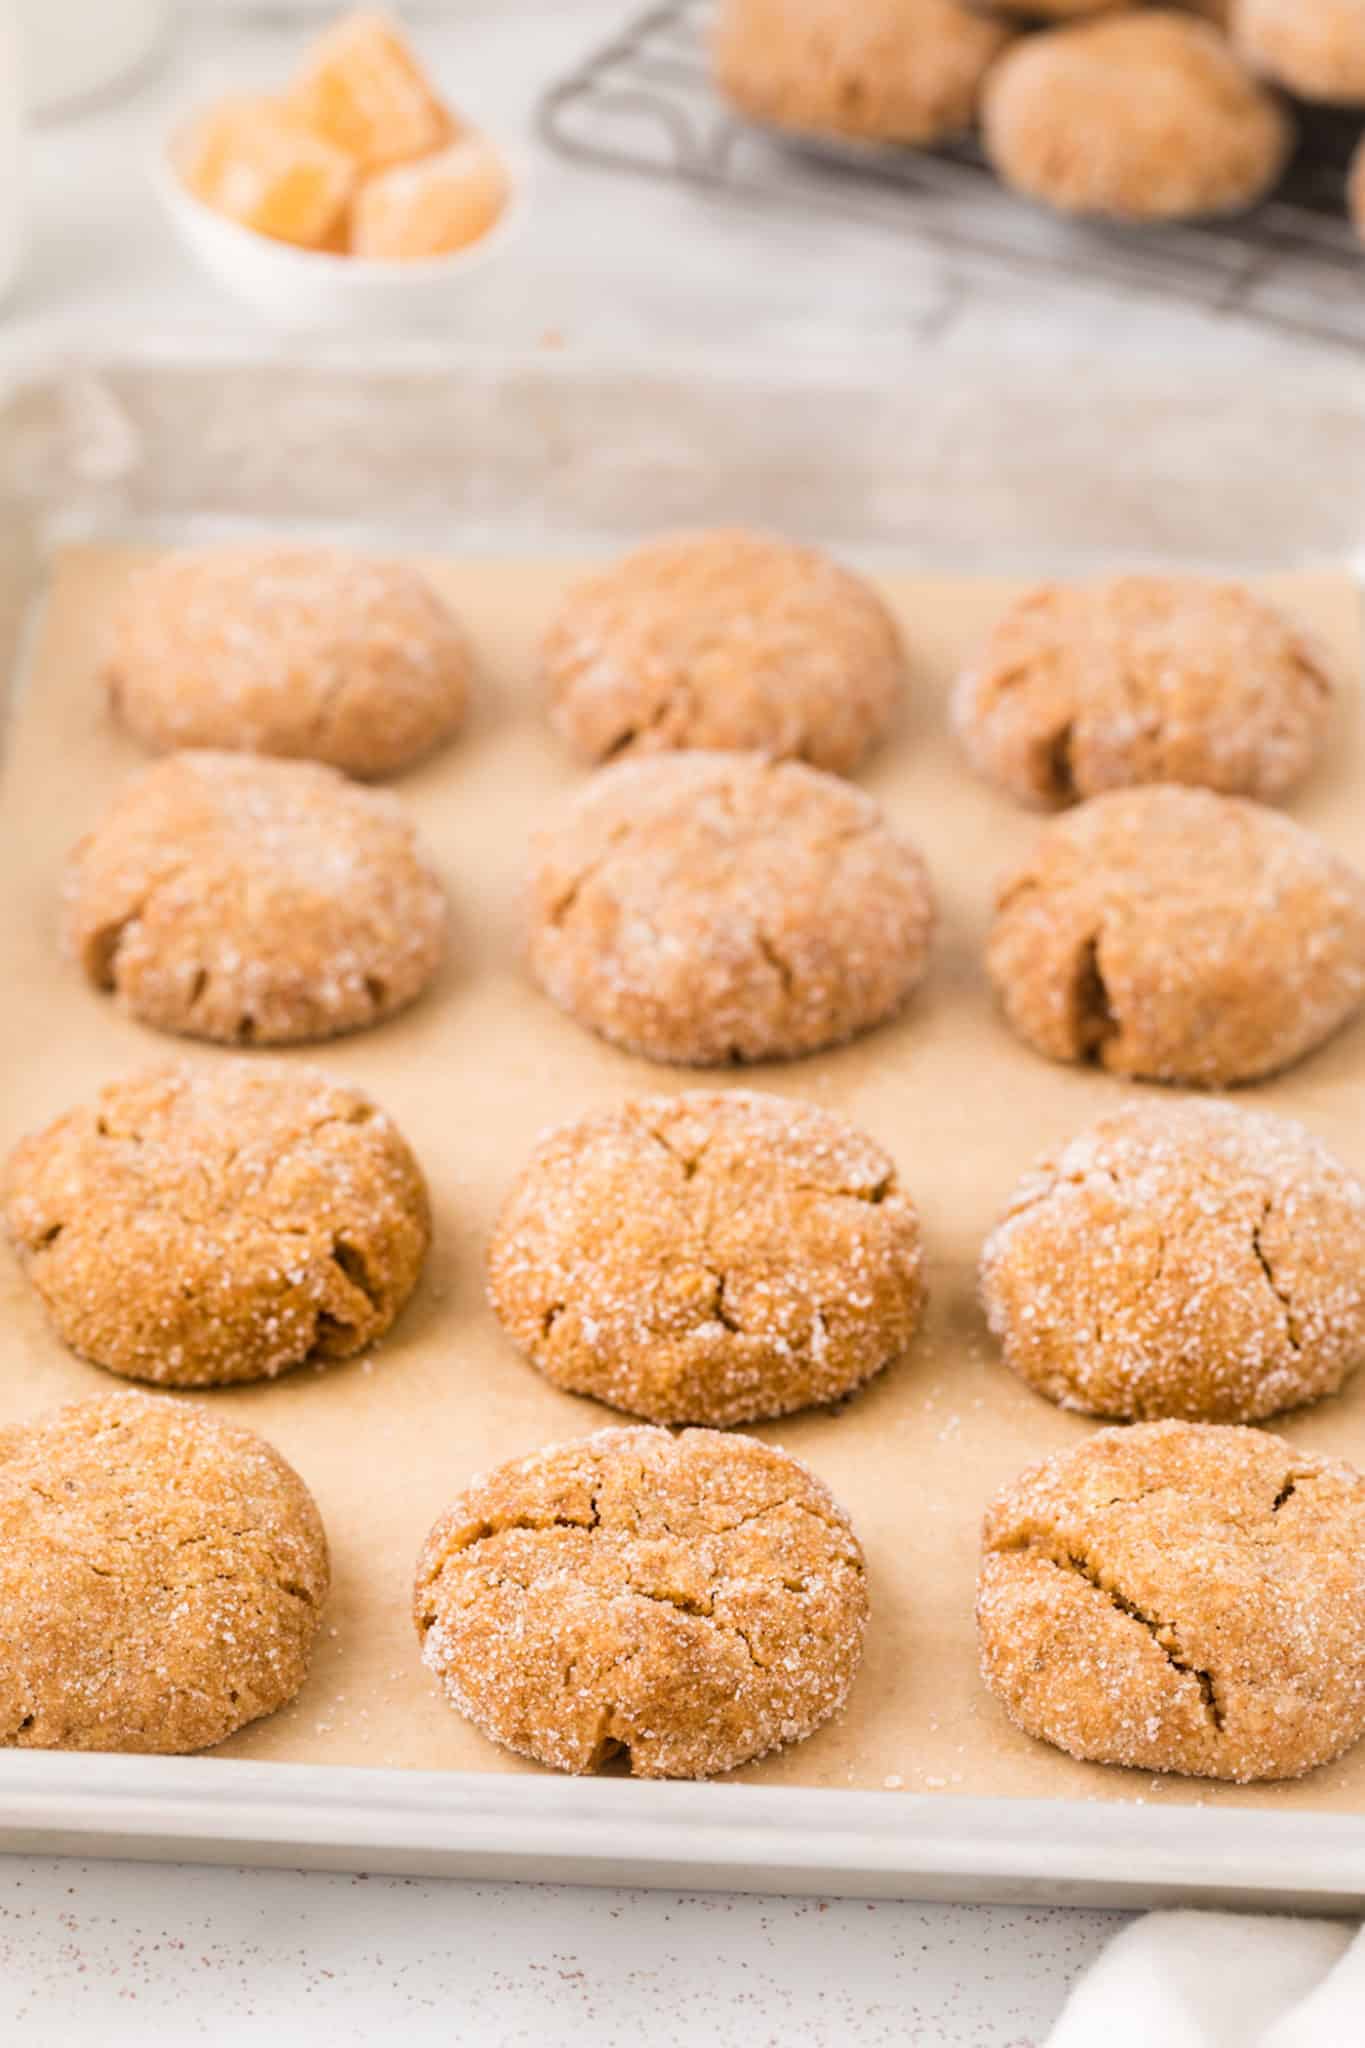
x: 430, y: 208
x: 245, y: 159
x: 362, y: 89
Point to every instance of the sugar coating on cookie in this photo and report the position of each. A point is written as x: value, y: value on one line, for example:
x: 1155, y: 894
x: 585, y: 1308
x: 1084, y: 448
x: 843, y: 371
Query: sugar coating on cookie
x: 884, y: 71
x: 254, y: 902
x: 1176, y: 1596
x: 709, y: 908
x: 1314, y: 47
x: 1186, y: 1259
x: 162, y: 1576
x: 315, y: 653
x: 1175, y: 935
x: 1137, y: 116
x: 721, y: 640
x: 1090, y: 687
x: 708, y: 1258
x: 682, y: 1604
x: 199, y: 1226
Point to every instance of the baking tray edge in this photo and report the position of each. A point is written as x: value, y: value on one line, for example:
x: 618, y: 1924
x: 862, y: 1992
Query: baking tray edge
x: 83, y: 448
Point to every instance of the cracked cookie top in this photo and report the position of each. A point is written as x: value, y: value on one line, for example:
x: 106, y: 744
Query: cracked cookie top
x: 1173, y: 934
x: 675, y: 1604
x: 708, y: 1258
x: 1184, y: 1259
x: 1178, y: 1596
x: 254, y: 901
x: 1085, y: 688
x: 724, y: 640
x: 709, y: 908
x: 314, y: 653
x: 1134, y: 116
x: 196, y: 1227
x: 162, y: 1576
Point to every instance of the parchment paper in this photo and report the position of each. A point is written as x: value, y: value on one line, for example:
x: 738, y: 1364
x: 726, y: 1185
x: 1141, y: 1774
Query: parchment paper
x: 484, y: 1063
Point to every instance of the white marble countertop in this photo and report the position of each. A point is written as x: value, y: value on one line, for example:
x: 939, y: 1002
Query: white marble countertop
x: 114, y: 1952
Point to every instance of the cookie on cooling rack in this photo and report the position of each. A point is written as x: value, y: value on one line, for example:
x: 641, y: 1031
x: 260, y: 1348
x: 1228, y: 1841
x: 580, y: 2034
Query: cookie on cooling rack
x: 881, y: 71
x: 1137, y: 117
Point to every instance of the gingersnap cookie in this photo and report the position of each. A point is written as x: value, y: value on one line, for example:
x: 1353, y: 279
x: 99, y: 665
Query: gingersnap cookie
x: 1314, y: 47
x: 1355, y: 190
x: 1084, y: 688
x: 682, y: 1603
x: 724, y: 640
x: 708, y: 1258
x: 1047, y: 10
x: 1175, y: 935
x: 1180, y: 1597
x: 705, y: 908
x: 315, y: 653
x: 1137, y: 116
x: 254, y: 901
x: 1182, y: 1259
x: 196, y: 1227
x: 884, y: 71
x: 162, y: 1576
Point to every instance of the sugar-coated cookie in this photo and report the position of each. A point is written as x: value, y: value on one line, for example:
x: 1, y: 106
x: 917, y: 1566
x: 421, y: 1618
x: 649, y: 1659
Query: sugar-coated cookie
x: 682, y: 1604
x: 162, y: 1577
x: 708, y: 1258
x: 1180, y: 1597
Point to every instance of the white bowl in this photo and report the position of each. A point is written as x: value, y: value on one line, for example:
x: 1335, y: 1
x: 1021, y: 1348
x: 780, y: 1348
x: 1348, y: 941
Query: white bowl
x: 307, y: 288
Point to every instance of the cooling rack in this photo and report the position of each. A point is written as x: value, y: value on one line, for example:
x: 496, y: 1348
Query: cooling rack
x: 643, y: 104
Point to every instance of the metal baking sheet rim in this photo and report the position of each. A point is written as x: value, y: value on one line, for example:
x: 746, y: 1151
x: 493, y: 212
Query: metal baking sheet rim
x: 70, y: 441
x: 687, y: 1837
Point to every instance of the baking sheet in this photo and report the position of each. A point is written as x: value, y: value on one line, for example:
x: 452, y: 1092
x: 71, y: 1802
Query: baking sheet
x: 484, y: 1063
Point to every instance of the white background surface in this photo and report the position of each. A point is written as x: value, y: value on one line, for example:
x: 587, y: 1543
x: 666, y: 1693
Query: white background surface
x: 119, y: 1952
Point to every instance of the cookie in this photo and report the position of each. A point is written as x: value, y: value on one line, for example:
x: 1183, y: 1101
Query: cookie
x: 708, y: 1258
x: 1180, y: 1597
x: 162, y: 1575
x: 1314, y: 47
x: 254, y: 901
x: 884, y: 71
x: 1048, y: 10
x: 677, y: 1604
x: 1355, y: 190
x: 314, y: 653
x: 1084, y: 688
x: 724, y: 640
x: 1182, y: 1259
x: 196, y: 1227
x: 1175, y: 935
x: 1139, y: 116
x: 705, y: 908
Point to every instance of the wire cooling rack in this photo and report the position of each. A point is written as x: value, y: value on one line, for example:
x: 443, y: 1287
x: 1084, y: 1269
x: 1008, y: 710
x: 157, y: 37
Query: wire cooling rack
x: 643, y: 103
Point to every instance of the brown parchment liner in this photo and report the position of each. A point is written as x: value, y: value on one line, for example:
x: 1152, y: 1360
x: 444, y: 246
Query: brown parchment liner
x: 484, y: 1063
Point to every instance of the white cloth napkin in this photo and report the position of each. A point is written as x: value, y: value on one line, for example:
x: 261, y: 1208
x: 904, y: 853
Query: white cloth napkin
x: 1221, y: 1980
